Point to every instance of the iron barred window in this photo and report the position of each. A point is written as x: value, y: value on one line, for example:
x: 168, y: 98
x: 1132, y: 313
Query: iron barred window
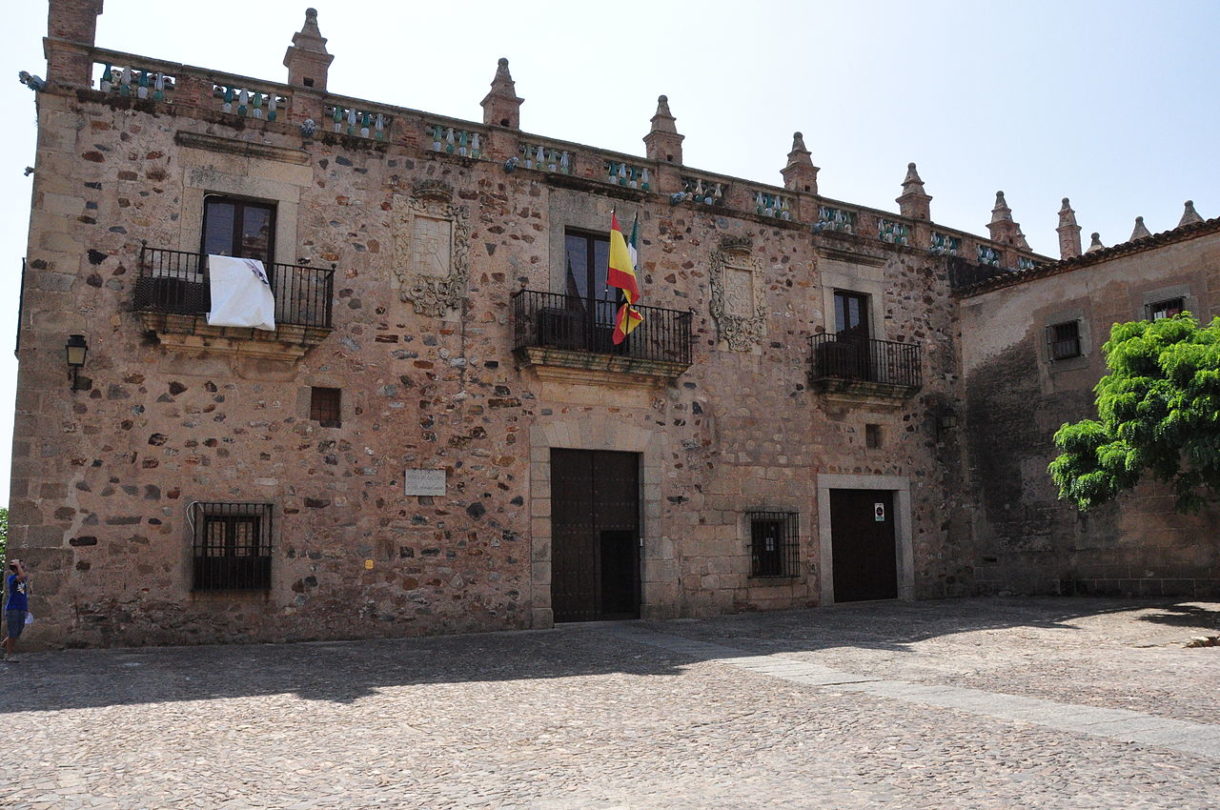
x: 324, y: 406
x: 1165, y: 309
x: 231, y: 546
x: 1063, y: 340
x: 774, y: 544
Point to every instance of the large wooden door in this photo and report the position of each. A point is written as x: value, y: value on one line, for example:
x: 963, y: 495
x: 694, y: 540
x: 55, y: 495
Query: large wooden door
x: 595, y: 556
x: 864, y: 558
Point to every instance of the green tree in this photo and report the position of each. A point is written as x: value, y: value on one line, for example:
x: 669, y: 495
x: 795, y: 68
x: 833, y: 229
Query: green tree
x: 4, y: 533
x: 1158, y: 413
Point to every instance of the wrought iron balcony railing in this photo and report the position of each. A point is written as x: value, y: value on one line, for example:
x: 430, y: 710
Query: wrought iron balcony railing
x: 175, y: 281
x: 851, y: 359
x: 553, y: 320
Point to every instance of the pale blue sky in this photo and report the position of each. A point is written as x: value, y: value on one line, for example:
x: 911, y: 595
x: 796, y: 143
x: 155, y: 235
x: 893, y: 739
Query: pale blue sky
x: 1110, y: 103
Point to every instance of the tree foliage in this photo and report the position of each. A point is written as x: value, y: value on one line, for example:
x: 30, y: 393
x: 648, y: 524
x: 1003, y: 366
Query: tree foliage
x: 1158, y: 414
x: 3, y: 533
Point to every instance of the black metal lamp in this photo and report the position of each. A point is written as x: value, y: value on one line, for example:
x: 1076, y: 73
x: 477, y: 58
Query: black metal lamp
x: 76, y: 350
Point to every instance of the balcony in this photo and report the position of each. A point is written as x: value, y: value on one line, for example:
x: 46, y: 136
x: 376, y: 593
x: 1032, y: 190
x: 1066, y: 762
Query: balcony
x: 173, y: 299
x: 550, y: 329
x: 864, y: 370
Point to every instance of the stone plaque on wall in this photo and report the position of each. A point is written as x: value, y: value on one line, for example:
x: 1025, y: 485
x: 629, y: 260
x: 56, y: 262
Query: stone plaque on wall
x: 738, y: 291
x: 425, y: 482
x: 431, y: 246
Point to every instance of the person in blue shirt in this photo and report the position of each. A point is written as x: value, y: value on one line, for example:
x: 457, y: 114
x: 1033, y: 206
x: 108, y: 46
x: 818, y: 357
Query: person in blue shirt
x: 18, y: 604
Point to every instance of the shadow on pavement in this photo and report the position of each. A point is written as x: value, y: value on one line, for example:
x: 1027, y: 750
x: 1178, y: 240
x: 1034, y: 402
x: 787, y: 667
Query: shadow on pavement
x: 345, y: 671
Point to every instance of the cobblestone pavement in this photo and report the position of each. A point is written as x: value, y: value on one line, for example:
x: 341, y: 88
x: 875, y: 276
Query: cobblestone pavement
x: 1005, y: 703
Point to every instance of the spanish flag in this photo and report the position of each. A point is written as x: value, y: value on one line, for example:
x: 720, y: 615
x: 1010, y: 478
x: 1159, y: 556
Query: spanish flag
x: 622, y: 275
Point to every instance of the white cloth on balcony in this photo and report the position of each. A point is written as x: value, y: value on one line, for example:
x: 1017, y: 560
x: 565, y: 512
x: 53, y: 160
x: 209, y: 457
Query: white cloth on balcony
x: 241, y: 293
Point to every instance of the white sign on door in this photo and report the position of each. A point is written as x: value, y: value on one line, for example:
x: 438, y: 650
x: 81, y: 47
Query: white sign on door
x: 879, y: 512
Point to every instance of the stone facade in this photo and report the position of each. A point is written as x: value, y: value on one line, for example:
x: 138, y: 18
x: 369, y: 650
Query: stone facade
x: 1017, y: 396
x: 414, y: 245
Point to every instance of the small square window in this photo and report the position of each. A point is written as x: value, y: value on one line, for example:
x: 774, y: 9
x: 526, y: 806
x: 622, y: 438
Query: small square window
x: 1166, y: 309
x: 774, y: 544
x: 1064, y: 340
x: 324, y: 406
x: 872, y: 436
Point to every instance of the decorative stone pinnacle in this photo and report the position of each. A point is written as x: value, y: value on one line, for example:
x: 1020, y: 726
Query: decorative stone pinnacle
x: 310, y: 38
x: 1096, y: 243
x: 663, y: 141
x: 1190, y: 216
x: 1141, y: 231
x: 1001, y: 212
x: 800, y: 174
x: 1069, y: 232
x: 663, y: 120
x: 1066, y: 215
x: 307, y: 59
x: 914, y: 202
x: 501, y: 105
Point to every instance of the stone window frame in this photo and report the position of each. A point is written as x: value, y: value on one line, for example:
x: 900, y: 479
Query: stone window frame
x: 349, y: 400
x: 842, y: 277
x: 201, y: 182
x: 1059, y: 342
x: 789, y: 550
x: 1160, y: 295
x: 1084, y: 335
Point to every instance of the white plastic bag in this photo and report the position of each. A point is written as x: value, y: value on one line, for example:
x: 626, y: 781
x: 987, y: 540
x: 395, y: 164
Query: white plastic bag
x: 29, y: 617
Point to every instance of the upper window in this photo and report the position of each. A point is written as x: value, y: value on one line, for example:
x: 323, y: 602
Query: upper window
x: 1064, y: 340
x: 235, y: 227
x: 587, y: 259
x: 1165, y: 309
x: 851, y: 314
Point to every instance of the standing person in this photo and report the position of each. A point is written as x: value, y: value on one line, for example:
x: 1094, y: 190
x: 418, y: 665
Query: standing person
x: 18, y: 605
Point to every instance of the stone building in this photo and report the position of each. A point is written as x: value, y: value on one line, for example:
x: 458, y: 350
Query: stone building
x: 438, y: 434
x: 1030, y: 364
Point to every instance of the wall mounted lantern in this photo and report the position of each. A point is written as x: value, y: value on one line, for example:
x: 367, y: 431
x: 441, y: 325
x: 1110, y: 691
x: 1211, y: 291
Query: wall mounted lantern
x: 76, y: 350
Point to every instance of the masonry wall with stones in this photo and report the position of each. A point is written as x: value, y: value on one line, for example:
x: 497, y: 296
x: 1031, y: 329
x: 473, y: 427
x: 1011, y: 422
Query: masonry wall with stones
x: 1017, y: 397
x: 429, y: 241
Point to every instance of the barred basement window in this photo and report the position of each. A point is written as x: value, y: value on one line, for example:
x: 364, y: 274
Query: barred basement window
x: 231, y: 546
x: 324, y: 406
x: 774, y: 544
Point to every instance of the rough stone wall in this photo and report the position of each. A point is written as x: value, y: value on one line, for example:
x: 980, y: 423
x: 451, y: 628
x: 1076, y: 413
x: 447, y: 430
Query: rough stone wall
x: 1016, y: 398
x: 103, y: 477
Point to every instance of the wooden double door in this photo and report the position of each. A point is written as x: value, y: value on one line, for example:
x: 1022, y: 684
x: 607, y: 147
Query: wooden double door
x: 595, y: 535
x: 864, y: 553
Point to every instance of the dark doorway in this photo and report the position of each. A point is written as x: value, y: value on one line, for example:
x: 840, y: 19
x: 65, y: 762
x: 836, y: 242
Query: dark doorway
x: 864, y: 556
x: 595, y: 553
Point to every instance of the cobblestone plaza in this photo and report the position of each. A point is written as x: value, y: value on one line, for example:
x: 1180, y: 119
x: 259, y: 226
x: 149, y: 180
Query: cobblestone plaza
x: 965, y: 703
